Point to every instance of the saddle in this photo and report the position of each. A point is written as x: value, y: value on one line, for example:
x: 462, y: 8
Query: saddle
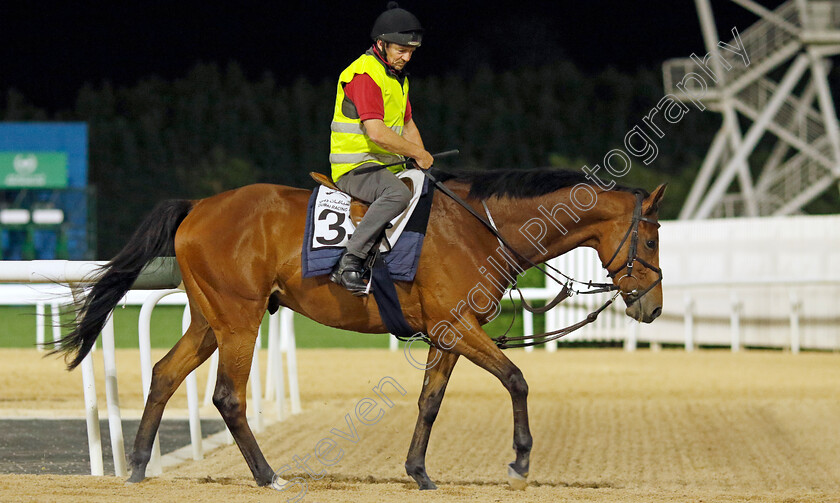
x: 358, y: 208
x: 329, y: 227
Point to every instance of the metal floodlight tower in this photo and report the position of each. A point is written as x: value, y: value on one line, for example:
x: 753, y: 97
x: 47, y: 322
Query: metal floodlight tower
x: 798, y: 36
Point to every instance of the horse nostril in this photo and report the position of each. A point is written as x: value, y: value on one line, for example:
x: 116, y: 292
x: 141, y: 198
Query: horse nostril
x: 656, y: 312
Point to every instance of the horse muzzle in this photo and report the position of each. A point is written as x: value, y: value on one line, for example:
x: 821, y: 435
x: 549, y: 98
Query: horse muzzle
x: 643, y: 303
x: 639, y: 311
x: 641, y: 306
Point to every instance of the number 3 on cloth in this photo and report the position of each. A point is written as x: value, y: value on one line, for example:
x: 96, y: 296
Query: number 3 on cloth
x: 332, y: 228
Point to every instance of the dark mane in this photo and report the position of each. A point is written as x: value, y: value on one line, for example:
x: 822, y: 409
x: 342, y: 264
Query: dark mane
x: 520, y: 183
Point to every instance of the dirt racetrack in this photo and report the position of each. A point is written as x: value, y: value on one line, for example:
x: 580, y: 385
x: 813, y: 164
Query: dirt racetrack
x: 607, y: 425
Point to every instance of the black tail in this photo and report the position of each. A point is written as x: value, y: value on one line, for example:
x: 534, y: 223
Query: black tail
x: 154, y: 238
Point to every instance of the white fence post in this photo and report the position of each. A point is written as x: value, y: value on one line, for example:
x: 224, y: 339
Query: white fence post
x: 39, y: 325
x: 632, y: 336
x: 689, y: 322
x: 527, y: 326
x: 56, y: 323
x: 112, y: 397
x: 795, y: 313
x: 192, y: 397
x: 552, y: 323
x: 735, y: 322
x: 270, y: 364
x: 212, y: 370
x: 287, y: 342
x: 92, y: 415
x: 144, y: 327
x: 275, y: 351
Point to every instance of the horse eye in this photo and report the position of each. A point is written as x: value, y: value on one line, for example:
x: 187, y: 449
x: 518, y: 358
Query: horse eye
x: 651, y: 244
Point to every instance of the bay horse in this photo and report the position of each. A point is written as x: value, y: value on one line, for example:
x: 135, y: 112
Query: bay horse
x: 239, y: 255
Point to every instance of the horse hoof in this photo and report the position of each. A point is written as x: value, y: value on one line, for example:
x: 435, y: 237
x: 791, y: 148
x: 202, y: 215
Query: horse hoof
x: 516, y: 481
x: 418, y: 473
x: 135, y: 478
x: 428, y: 486
x: 278, y: 483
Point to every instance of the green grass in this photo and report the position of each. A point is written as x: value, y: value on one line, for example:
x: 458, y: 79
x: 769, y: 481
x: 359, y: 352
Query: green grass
x: 17, y: 329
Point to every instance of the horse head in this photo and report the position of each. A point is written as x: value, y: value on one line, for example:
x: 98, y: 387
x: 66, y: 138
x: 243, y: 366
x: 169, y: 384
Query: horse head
x: 630, y: 253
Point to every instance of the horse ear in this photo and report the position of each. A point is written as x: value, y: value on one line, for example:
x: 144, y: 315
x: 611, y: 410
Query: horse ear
x: 652, y: 203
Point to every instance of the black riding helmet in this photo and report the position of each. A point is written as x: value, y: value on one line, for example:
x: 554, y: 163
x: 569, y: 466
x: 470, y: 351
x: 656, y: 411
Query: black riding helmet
x: 397, y: 26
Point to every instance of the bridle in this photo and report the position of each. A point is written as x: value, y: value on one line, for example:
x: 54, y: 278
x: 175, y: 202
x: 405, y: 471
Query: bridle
x: 632, y: 253
x: 632, y: 233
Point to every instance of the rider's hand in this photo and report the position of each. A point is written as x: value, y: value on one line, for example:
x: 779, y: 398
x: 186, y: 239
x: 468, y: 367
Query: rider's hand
x: 425, y: 160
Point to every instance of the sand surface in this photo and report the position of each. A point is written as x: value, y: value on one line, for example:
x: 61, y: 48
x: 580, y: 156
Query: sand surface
x: 607, y: 426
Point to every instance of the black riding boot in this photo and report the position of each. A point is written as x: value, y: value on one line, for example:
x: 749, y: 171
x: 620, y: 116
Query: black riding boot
x: 348, y: 272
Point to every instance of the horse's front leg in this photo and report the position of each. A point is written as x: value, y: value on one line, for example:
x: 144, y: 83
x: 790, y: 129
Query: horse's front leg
x: 475, y: 344
x: 439, y: 367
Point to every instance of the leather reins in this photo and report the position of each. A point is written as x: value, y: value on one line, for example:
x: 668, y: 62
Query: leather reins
x: 503, y: 341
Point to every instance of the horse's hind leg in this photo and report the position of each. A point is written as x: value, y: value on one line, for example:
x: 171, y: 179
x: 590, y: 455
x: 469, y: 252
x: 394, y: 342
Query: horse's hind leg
x: 434, y: 386
x: 197, y: 344
x: 235, y: 356
x: 235, y: 318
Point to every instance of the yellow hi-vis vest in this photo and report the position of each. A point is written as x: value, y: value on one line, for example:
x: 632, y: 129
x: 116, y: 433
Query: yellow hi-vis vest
x: 350, y: 147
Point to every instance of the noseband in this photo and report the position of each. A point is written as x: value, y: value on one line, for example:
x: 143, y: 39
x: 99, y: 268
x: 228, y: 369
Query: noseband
x: 632, y: 253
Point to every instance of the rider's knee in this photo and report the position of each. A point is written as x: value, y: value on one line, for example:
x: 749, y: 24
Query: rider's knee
x: 402, y: 196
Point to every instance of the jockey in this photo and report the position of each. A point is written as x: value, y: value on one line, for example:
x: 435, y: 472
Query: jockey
x: 373, y: 125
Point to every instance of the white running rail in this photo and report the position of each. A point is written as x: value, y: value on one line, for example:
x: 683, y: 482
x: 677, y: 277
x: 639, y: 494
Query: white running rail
x: 47, y: 284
